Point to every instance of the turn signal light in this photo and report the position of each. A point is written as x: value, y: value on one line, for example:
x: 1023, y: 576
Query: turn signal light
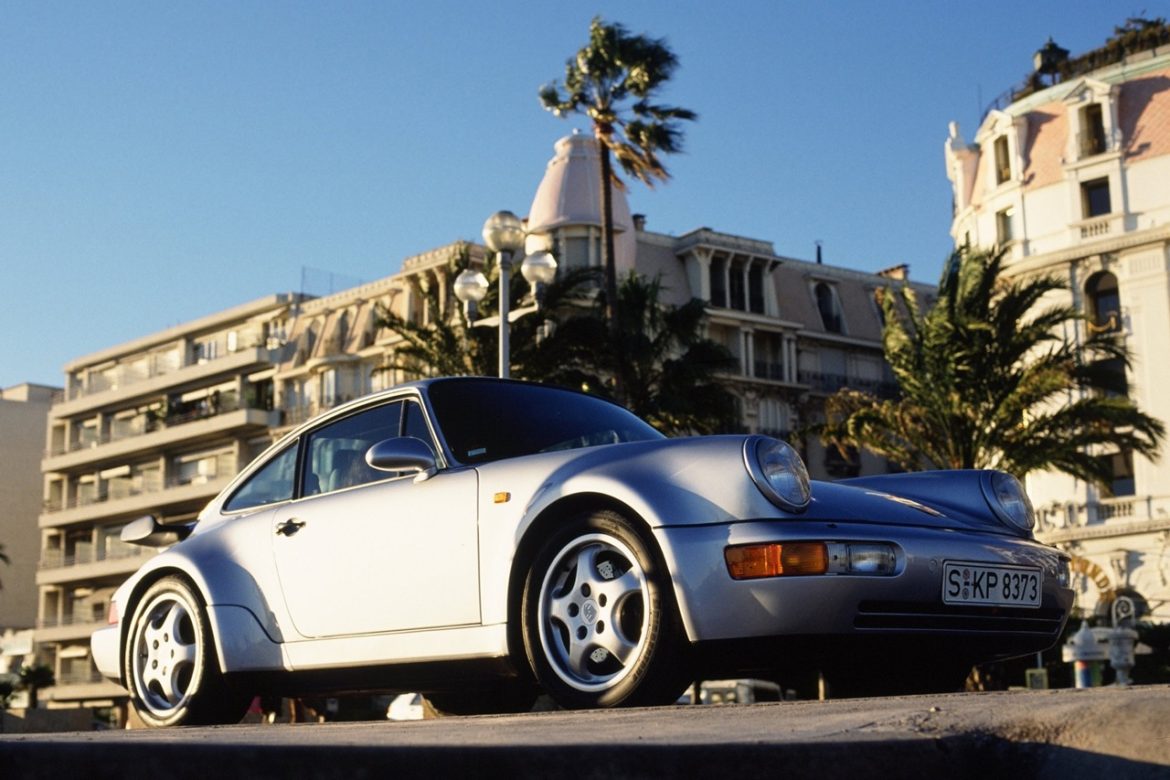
x: 753, y: 561
x: 112, y: 613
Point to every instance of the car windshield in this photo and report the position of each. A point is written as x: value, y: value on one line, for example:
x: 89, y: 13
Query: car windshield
x: 486, y: 420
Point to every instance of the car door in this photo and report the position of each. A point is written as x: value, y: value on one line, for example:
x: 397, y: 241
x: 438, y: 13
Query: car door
x: 363, y: 551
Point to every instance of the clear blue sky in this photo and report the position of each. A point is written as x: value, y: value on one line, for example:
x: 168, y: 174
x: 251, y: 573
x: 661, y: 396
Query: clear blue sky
x: 160, y: 161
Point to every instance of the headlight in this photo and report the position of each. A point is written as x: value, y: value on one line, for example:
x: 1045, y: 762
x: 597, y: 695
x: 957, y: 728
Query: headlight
x: 1008, y: 500
x: 778, y: 472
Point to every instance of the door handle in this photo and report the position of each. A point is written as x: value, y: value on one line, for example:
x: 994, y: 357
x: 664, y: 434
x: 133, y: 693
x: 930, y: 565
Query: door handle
x: 290, y: 527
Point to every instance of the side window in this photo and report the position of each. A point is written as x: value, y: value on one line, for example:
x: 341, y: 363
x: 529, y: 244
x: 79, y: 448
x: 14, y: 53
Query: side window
x: 272, y: 483
x: 336, y: 454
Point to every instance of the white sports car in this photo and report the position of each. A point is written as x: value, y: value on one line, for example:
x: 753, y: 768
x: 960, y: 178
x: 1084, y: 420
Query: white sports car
x: 480, y: 540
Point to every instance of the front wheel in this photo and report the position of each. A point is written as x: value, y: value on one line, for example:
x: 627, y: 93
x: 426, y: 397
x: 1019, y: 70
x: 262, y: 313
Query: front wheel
x: 599, y: 623
x: 170, y: 664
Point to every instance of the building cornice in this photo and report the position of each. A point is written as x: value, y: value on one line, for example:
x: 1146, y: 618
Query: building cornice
x: 1130, y: 240
x: 1105, y: 531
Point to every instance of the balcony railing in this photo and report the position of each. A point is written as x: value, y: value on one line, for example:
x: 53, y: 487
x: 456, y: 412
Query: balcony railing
x: 226, y: 466
x: 157, y: 365
x: 768, y: 370
x: 189, y: 412
x: 831, y: 383
x: 57, y: 559
x: 61, y: 621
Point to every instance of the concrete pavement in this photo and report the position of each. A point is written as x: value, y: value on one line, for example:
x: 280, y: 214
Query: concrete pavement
x: 1105, y: 732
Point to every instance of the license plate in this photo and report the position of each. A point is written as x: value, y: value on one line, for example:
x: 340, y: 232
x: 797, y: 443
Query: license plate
x: 1001, y: 586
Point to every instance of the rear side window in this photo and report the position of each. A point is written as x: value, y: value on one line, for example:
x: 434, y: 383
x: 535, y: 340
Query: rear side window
x: 271, y: 484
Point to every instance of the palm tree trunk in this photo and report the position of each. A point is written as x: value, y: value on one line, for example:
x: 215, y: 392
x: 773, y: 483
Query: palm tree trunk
x: 607, y: 245
x: 609, y: 264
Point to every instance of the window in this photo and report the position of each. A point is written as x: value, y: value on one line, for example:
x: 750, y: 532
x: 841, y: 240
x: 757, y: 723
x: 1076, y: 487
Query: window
x: 336, y: 453
x: 1121, y: 466
x: 1092, y: 135
x: 1095, y: 198
x: 827, y: 306
x: 1103, y: 302
x: 756, y: 289
x: 271, y: 484
x: 1003, y: 225
x: 735, y: 283
x: 329, y: 396
x: 1003, y: 165
x: 719, y: 282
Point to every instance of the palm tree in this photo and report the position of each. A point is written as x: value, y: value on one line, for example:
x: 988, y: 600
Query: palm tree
x: 442, y: 344
x: 446, y: 345
x: 987, y: 383
x: 35, y: 677
x: 611, y: 80
x: 657, y: 363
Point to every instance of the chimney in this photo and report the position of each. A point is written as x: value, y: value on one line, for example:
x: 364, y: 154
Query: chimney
x: 639, y: 222
x: 819, y: 258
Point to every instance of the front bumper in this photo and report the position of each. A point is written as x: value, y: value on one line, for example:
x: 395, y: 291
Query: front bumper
x: 104, y: 644
x: 909, y: 602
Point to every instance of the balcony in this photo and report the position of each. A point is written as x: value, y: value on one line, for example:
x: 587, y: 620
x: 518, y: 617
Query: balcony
x: 56, y: 568
x: 187, y: 428
x: 175, y: 495
x: 132, y: 387
x: 69, y: 628
x: 831, y: 383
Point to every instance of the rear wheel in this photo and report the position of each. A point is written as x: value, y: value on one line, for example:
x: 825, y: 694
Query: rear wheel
x: 170, y: 664
x: 599, y: 623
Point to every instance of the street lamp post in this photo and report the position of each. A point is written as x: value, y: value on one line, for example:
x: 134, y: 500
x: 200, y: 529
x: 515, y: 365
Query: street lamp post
x: 503, y: 233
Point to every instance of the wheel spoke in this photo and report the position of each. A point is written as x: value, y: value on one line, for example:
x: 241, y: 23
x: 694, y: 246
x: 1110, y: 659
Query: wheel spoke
x: 587, y: 566
x: 579, y: 659
x: 558, y: 609
x: 628, y: 584
x: 172, y: 624
x: 617, y: 645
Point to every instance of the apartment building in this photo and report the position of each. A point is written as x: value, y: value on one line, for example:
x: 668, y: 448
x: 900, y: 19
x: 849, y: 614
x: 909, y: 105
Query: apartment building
x: 24, y: 410
x: 158, y: 425
x: 1070, y: 175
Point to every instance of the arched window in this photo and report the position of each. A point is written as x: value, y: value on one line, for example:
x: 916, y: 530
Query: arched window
x: 827, y: 306
x: 1103, y: 302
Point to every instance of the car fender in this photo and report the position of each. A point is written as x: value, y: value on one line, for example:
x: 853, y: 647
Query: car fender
x: 245, y: 629
x: 658, y: 483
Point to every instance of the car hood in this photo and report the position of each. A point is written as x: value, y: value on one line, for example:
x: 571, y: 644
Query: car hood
x: 704, y: 480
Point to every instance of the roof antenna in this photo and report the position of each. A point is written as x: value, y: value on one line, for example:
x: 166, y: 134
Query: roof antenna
x: 818, y: 243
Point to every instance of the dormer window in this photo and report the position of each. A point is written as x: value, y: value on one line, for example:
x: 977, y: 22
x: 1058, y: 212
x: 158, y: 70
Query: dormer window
x: 828, y: 307
x: 1003, y: 164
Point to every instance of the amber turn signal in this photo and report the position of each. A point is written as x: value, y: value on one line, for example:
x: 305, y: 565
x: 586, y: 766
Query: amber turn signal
x: 753, y: 561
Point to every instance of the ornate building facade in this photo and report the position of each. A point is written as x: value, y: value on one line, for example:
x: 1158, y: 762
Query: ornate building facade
x: 1073, y: 179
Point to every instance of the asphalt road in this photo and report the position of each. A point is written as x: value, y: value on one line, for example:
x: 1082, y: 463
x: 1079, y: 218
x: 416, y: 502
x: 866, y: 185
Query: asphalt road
x: 1113, y: 733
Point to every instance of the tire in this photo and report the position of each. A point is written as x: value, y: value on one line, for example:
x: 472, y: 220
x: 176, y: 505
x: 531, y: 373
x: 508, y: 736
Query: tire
x: 170, y: 665
x: 600, y: 626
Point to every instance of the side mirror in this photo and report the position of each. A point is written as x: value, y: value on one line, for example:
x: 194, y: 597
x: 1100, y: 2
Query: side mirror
x: 403, y: 453
x: 149, y: 532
